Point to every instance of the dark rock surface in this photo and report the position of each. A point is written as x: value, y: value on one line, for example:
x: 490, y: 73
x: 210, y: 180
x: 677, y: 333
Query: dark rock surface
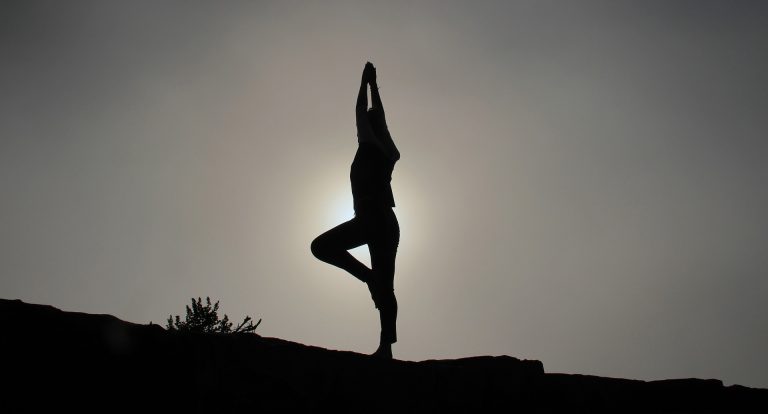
x: 67, y: 360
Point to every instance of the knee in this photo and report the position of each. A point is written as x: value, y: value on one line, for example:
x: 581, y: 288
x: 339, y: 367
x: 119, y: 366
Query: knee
x: 318, y: 248
x: 392, y: 301
x: 387, y: 301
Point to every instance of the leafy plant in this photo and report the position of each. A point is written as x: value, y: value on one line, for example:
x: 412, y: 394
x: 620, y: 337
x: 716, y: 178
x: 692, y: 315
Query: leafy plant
x: 205, y: 319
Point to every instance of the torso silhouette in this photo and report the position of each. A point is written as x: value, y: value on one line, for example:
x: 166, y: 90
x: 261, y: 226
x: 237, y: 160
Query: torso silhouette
x: 370, y: 175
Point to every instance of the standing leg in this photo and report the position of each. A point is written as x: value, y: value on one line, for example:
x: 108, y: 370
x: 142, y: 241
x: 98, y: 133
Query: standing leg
x: 383, y: 247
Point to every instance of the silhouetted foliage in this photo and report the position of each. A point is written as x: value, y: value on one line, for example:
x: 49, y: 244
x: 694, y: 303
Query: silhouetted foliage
x: 205, y: 319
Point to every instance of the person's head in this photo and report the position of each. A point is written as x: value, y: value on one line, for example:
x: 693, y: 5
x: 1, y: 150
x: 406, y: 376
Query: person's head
x: 376, y: 119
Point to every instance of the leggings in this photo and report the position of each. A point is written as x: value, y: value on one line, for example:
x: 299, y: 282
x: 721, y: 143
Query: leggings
x: 379, y: 229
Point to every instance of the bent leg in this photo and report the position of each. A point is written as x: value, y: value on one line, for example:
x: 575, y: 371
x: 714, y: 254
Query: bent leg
x: 333, y: 245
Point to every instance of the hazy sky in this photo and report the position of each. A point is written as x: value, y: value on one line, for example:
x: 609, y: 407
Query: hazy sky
x: 582, y: 183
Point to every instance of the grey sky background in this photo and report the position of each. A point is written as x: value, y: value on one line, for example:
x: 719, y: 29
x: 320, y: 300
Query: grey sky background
x: 582, y: 183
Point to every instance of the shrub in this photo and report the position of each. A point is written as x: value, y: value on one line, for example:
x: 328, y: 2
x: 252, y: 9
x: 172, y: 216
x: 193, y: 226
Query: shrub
x: 205, y: 319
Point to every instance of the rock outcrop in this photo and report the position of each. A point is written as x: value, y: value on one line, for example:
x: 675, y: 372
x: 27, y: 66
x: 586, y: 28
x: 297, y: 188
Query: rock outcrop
x: 67, y: 360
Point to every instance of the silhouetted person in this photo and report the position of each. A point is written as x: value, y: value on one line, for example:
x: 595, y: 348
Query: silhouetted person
x: 374, y: 223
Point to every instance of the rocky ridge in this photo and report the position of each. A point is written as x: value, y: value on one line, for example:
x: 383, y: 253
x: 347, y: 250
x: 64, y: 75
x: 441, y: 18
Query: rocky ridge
x: 68, y: 360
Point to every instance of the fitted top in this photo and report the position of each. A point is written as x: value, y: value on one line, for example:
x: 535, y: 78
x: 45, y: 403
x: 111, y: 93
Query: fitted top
x: 370, y: 175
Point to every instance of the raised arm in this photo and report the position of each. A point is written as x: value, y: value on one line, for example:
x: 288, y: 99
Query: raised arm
x: 362, y: 96
x: 375, y: 97
x: 369, y: 73
x: 365, y: 131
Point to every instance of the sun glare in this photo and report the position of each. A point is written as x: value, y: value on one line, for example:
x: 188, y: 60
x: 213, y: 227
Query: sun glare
x: 339, y: 208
